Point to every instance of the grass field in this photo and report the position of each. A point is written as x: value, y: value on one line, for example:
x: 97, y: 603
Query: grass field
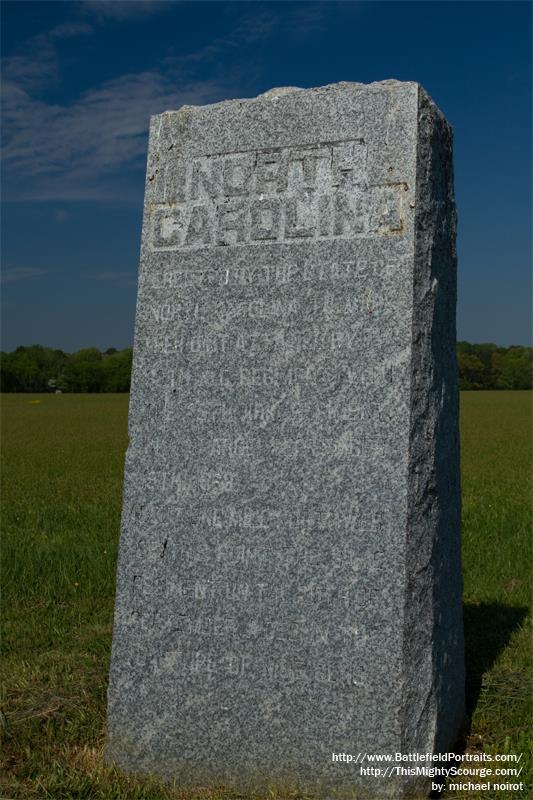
x: 62, y: 476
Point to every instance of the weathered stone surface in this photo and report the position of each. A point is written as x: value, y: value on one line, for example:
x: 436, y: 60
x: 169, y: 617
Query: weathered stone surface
x: 289, y: 575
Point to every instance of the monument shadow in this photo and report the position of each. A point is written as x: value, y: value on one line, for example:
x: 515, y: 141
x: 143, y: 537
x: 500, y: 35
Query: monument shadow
x: 488, y: 629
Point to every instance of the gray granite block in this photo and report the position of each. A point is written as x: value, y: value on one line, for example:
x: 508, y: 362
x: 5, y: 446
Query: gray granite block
x: 289, y: 579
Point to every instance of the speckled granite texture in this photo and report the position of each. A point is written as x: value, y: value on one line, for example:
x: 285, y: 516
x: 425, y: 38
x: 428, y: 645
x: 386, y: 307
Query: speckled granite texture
x: 289, y: 580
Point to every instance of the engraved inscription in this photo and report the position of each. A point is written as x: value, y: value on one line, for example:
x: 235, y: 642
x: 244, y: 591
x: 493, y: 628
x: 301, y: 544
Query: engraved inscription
x: 292, y: 194
x: 257, y: 276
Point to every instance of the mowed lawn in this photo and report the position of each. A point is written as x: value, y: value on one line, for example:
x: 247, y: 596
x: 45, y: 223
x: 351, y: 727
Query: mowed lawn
x: 62, y: 477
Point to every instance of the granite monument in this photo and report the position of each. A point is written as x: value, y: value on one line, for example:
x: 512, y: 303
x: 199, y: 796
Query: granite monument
x: 289, y: 579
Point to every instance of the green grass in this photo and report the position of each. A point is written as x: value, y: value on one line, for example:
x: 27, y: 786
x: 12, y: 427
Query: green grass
x: 62, y: 476
x: 497, y: 558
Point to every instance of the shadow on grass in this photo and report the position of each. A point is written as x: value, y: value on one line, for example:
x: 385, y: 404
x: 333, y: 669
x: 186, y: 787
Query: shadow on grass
x: 488, y: 628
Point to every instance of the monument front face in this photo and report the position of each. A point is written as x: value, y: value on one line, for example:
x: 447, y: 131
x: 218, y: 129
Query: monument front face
x: 289, y: 576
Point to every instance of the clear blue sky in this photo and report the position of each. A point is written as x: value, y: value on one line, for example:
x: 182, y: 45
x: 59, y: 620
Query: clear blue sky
x: 82, y: 78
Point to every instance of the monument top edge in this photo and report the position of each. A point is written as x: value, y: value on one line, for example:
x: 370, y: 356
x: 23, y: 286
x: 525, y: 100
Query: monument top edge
x: 277, y: 93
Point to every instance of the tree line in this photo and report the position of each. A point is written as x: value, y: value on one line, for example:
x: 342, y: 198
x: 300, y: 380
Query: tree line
x: 487, y: 366
x: 41, y: 369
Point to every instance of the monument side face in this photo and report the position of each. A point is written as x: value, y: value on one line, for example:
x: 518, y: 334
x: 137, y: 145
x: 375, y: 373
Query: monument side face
x: 289, y: 577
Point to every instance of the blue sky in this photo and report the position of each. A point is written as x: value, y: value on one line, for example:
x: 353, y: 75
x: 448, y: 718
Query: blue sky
x: 82, y: 78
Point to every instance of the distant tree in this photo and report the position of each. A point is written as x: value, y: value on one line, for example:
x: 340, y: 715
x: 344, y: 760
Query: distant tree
x: 487, y: 366
x: 513, y: 368
x: 89, y: 370
x: 476, y: 374
x: 29, y: 369
x: 83, y: 372
x: 471, y: 371
x: 117, y: 371
x: 19, y: 372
